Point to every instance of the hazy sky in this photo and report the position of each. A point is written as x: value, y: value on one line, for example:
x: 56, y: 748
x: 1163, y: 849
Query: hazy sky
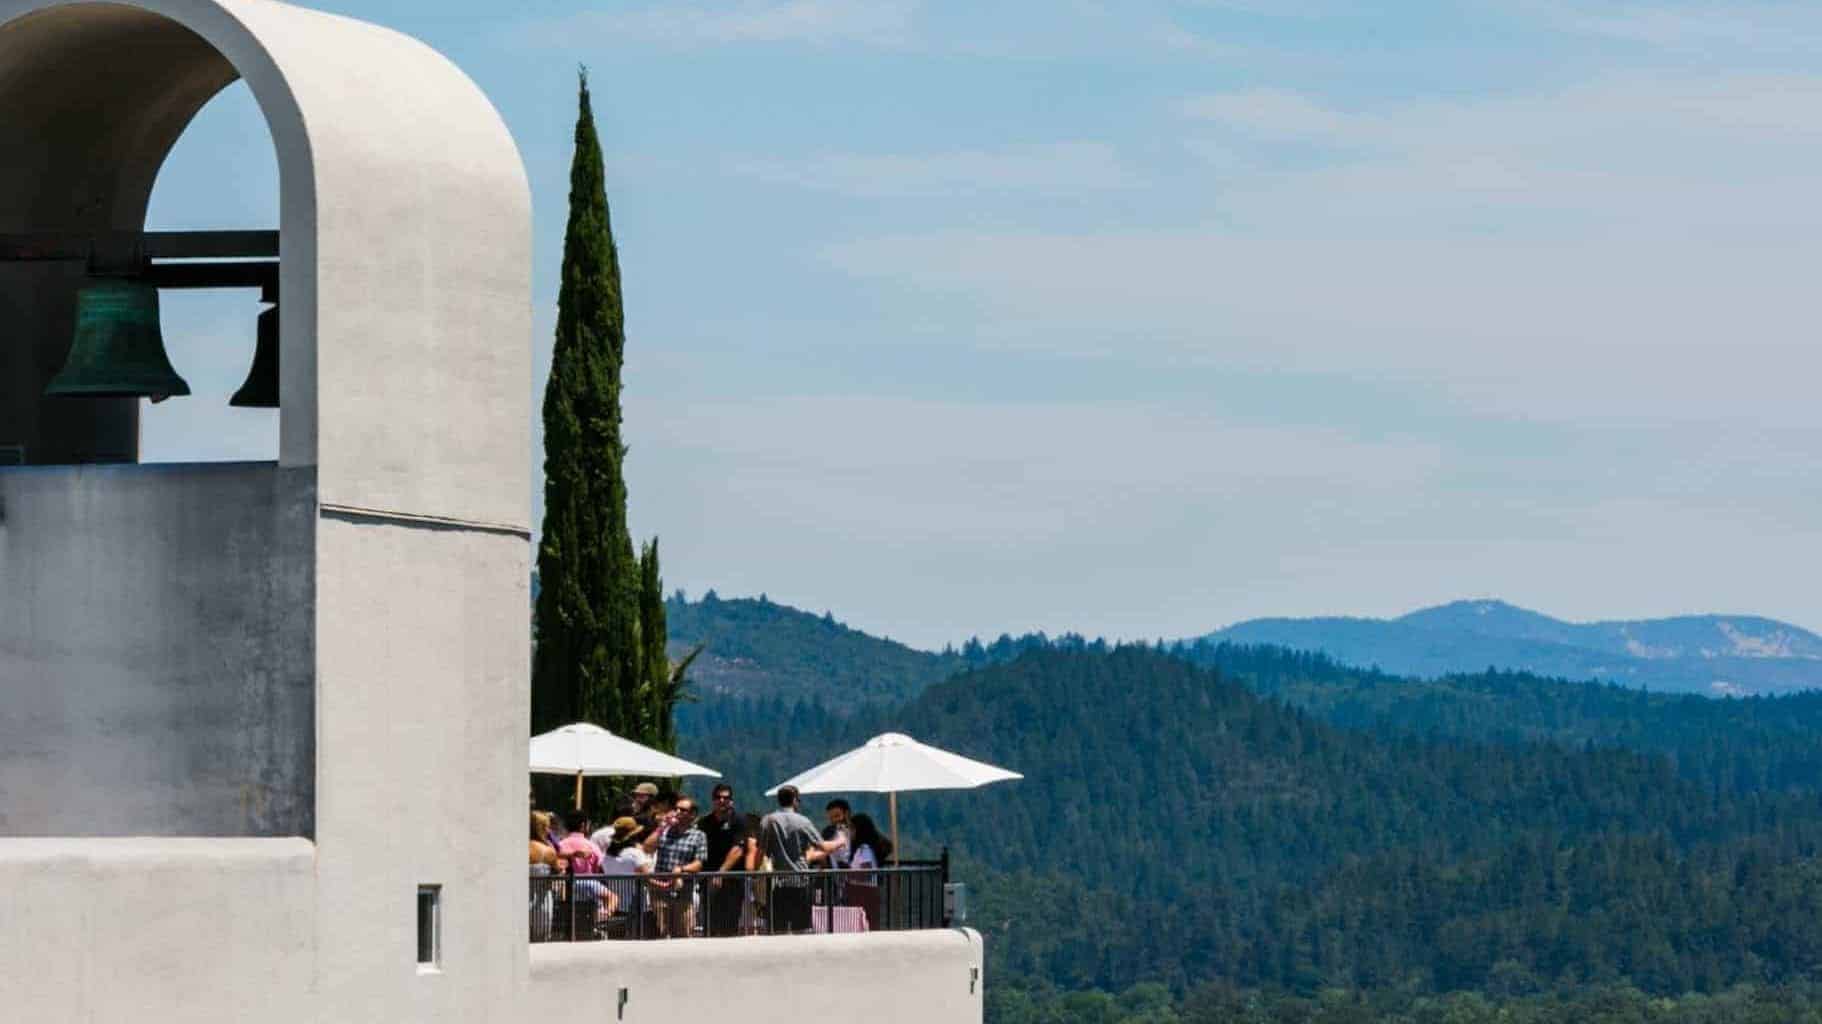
x: 1141, y: 318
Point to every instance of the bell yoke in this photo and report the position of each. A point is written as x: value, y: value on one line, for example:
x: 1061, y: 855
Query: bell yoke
x: 118, y: 349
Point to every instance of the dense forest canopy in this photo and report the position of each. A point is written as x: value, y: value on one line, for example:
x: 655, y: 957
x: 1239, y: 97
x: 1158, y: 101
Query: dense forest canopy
x: 1215, y: 832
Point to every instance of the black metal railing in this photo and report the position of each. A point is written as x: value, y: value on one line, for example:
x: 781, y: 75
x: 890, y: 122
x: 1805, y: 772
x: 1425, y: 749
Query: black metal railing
x: 583, y: 908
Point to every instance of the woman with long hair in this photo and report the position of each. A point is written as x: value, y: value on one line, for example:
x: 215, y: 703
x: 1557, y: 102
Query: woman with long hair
x: 869, y: 848
x: 544, y: 864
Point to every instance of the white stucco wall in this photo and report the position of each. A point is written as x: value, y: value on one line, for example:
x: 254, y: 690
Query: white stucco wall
x: 928, y: 977
x: 224, y: 931
x: 198, y: 930
x: 423, y: 717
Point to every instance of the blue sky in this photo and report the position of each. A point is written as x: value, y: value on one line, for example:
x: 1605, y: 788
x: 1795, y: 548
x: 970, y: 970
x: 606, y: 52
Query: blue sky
x: 1139, y: 319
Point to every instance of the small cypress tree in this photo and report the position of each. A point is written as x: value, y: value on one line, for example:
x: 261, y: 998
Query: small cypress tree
x: 664, y: 681
x: 588, y: 655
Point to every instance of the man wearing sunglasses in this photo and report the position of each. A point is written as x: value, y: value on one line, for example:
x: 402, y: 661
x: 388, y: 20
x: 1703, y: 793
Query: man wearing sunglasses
x: 728, y: 843
x: 682, y: 848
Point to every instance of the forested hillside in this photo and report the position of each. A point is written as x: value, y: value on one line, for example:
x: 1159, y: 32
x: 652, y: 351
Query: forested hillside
x: 796, y: 665
x: 1176, y: 827
x: 1737, y: 745
x: 757, y: 649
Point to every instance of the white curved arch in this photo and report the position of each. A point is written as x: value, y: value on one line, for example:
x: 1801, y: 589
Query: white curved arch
x: 405, y: 224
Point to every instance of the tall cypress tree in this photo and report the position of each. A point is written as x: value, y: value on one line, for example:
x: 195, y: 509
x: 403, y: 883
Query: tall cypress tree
x: 588, y: 657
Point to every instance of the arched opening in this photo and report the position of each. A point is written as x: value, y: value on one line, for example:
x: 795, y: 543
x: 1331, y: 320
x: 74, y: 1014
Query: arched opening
x: 222, y: 175
x: 84, y: 151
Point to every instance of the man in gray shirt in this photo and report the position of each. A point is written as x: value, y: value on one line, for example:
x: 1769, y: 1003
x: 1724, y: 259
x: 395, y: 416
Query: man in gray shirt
x: 794, y: 845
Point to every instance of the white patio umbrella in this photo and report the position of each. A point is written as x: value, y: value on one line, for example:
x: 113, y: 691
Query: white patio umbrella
x: 893, y: 763
x: 581, y: 749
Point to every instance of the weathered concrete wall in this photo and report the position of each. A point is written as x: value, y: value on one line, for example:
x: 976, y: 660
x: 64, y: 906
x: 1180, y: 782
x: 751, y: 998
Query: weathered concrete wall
x: 156, y: 650
x: 193, y: 930
x: 932, y: 977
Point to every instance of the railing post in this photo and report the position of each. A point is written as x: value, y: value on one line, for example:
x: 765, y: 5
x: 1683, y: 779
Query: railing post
x: 569, y: 893
x: 942, y: 891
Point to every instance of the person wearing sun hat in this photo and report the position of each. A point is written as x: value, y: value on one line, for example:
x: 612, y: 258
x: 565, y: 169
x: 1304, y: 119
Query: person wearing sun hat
x: 638, y: 802
x: 622, y: 857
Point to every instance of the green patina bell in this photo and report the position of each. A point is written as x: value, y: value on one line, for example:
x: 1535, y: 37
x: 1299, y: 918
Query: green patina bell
x: 119, y: 350
x: 261, y: 388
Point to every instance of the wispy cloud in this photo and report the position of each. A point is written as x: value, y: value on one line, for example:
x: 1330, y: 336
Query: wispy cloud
x: 692, y: 23
x: 1055, y: 168
x: 1695, y: 26
x: 1633, y: 247
x: 1271, y: 113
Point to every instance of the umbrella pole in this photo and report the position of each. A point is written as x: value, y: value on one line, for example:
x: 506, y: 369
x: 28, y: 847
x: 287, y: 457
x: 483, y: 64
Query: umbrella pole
x: 578, y: 791
x: 892, y: 802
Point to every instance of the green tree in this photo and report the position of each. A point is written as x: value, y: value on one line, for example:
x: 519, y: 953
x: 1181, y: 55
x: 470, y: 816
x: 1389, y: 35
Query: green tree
x: 663, y: 682
x: 588, y: 659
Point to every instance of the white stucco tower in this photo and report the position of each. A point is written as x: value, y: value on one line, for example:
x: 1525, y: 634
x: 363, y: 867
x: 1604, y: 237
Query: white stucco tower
x: 247, y: 710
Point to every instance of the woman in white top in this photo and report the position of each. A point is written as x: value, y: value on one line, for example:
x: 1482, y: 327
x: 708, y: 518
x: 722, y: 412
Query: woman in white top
x: 625, y: 857
x: 868, y: 848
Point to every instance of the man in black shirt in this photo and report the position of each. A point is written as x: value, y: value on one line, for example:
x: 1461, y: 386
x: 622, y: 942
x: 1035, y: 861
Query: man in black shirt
x: 728, y: 846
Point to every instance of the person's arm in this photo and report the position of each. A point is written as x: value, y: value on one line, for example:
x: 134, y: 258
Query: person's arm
x: 817, y: 849
x: 736, y: 854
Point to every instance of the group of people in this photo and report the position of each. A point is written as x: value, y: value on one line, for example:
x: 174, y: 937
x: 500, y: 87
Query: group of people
x: 639, y: 867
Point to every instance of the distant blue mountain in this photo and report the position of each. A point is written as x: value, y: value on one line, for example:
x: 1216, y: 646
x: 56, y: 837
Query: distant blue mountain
x: 1711, y: 654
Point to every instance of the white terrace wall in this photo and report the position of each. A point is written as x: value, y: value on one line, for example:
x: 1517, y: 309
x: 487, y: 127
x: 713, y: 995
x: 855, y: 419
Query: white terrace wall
x: 930, y: 977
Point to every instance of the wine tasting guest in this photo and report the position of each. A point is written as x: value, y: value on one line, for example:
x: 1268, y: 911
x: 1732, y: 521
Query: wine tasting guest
x: 838, y: 812
x: 681, y: 850
x: 728, y: 841
x: 544, y: 863
x: 583, y: 855
x: 869, y: 848
x: 794, y: 846
x: 625, y: 855
x: 639, y: 803
x: 584, y: 858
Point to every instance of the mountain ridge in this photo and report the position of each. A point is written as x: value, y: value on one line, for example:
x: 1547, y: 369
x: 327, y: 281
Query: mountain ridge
x: 1715, y: 654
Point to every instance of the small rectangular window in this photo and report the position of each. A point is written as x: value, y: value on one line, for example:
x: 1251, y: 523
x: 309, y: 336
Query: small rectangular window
x: 430, y: 926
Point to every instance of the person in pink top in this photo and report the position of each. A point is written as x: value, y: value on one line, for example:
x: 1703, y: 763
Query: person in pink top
x: 584, y: 858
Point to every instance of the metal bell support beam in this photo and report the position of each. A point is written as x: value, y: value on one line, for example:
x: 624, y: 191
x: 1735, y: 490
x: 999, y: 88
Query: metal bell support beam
x: 118, y: 351
x: 151, y: 245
